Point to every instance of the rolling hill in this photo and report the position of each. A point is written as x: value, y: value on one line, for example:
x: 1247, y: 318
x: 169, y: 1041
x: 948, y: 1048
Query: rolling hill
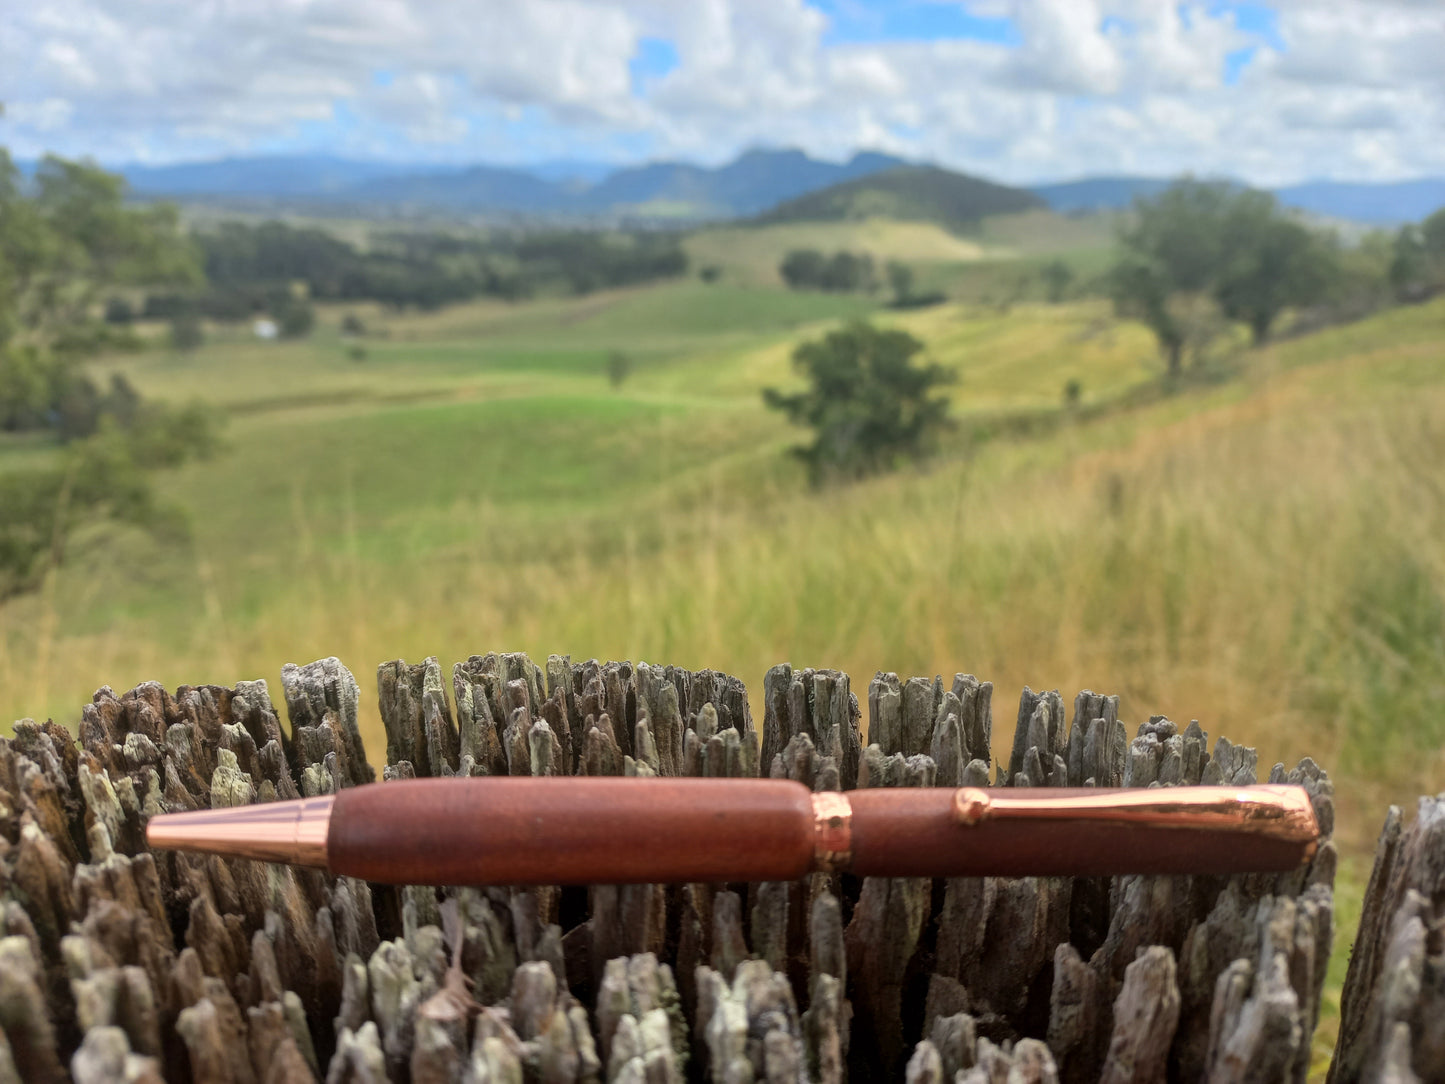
x: 747, y: 186
x: 907, y: 193
x: 1098, y: 193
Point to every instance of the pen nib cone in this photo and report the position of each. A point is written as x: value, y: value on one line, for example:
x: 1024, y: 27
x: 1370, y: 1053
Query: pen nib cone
x: 292, y: 832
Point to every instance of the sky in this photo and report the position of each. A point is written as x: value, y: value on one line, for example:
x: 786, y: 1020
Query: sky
x: 1017, y: 90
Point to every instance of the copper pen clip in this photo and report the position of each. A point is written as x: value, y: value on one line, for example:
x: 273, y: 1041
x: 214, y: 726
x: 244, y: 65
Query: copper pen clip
x: 1282, y: 812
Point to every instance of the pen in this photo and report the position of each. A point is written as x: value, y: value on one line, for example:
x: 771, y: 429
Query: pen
x: 618, y: 830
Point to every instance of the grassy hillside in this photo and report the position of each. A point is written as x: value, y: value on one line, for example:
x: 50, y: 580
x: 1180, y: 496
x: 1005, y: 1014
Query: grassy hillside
x: 909, y: 193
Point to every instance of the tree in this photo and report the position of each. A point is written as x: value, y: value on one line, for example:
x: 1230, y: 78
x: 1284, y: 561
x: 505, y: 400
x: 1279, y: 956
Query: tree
x: 842, y: 272
x: 1203, y: 248
x: 900, y: 280
x: 619, y: 365
x: 61, y: 249
x: 802, y: 268
x: 1058, y: 277
x: 294, y: 317
x: 869, y: 405
x: 1417, y: 265
x: 1268, y: 263
x: 118, y: 311
x: 186, y: 332
x: 1141, y: 290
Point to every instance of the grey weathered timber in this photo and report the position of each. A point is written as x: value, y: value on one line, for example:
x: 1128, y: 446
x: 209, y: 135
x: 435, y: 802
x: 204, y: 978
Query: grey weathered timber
x: 1392, y: 1014
x: 119, y: 964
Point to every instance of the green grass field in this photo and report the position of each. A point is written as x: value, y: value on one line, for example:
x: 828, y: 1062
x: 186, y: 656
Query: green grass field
x: 1261, y: 552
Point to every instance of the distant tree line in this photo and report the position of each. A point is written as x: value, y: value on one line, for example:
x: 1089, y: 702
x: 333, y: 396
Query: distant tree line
x: 842, y: 272
x: 251, y: 269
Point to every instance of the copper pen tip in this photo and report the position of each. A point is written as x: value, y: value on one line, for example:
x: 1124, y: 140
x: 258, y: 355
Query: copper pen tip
x: 291, y: 832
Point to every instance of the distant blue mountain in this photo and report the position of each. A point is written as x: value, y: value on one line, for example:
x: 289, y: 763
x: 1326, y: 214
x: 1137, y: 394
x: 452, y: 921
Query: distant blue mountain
x: 746, y: 186
x: 1098, y: 193
x: 1382, y: 204
x: 578, y: 171
x: 1385, y: 204
x: 269, y: 175
x: 477, y: 190
x: 753, y: 184
x: 750, y: 184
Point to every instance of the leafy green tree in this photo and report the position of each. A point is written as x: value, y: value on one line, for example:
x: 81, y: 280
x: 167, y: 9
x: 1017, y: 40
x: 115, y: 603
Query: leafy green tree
x: 1141, y: 290
x: 869, y: 404
x: 1203, y: 246
x: 62, y: 247
x: 1268, y: 263
x: 803, y: 268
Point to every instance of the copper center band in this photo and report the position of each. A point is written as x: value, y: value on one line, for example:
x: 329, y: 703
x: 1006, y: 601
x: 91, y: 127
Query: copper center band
x: 832, y: 831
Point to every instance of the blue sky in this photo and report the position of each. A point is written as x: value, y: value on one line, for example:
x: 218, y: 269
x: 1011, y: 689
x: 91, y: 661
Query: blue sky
x: 1015, y: 89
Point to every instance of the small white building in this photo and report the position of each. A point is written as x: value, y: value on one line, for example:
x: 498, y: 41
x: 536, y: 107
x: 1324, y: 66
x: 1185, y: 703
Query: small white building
x: 265, y: 329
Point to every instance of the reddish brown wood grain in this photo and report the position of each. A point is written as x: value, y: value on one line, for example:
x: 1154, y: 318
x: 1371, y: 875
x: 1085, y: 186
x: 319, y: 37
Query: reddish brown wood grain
x: 589, y: 830
x: 909, y: 832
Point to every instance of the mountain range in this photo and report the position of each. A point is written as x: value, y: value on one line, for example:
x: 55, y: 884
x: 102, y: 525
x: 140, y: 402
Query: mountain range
x: 754, y: 184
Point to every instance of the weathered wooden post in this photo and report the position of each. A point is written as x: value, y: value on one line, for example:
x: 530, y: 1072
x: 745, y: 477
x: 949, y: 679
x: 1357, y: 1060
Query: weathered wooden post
x: 117, y: 964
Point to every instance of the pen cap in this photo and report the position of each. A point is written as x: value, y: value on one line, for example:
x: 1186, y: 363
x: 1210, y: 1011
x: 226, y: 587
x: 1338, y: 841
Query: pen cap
x: 1080, y: 832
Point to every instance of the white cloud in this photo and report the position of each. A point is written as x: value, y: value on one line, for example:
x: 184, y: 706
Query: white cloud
x: 1357, y: 88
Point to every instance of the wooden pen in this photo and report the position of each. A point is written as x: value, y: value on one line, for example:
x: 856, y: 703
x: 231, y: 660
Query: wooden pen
x: 615, y: 830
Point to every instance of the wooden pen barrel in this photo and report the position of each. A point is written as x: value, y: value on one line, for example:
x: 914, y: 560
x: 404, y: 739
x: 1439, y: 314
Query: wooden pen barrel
x: 910, y: 832
x: 588, y: 830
